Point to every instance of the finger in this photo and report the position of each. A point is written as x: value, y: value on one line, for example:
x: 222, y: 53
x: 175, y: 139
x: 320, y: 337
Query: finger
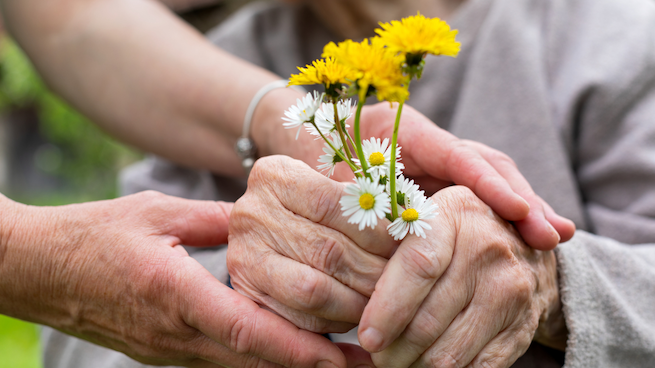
x: 441, y: 155
x: 356, y: 356
x: 200, y: 223
x: 191, y: 222
x: 407, y: 279
x: 301, y: 319
x: 448, y: 297
x: 542, y: 229
x: 503, y: 350
x: 299, y: 287
x: 468, y: 333
x: 302, y: 240
x: 564, y: 226
x: 315, y: 198
x: 216, y: 355
x: 240, y: 325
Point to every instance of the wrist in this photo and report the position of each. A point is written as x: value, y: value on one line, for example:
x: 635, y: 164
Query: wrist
x: 15, y: 258
x: 32, y: 262
x: 267, y: 130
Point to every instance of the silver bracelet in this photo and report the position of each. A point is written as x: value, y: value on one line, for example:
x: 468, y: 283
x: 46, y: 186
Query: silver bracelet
x: 245, y: 146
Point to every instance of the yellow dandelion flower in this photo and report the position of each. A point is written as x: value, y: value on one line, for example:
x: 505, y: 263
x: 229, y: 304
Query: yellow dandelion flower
x: 327, y: 72
x: 393, y: 93
x: 375, y: 65
x: 418, y: 35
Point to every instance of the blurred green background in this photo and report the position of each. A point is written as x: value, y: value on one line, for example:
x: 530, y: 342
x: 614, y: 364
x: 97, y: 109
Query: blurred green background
x: 49, y: 155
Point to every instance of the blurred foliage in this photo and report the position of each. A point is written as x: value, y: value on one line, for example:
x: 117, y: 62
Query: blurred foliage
x: 19, y: 344
x: 88, y: 163
x: 89, y: 158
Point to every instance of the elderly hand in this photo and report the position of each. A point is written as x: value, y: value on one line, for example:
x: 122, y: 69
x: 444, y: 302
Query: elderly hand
x: 114, y: 273
x: 292, y: 251
x: 435, y: 159
x: 471, y: 294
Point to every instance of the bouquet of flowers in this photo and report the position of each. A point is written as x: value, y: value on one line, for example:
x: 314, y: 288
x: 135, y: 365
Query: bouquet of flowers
x: 383, y: 66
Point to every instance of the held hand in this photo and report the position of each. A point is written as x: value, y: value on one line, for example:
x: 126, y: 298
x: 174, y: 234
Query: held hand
x: 114, y: 273
x: 292, y: 250
x: 435, y: 159
x: 471, y: 294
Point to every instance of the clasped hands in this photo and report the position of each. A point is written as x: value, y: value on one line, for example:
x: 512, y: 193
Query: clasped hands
x: 472, y: 293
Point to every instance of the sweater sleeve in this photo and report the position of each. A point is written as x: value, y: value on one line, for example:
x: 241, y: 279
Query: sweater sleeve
x: 608, y: 293
x: 607, y: 275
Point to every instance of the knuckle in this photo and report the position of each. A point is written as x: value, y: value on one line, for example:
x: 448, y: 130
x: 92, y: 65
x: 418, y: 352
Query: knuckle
x: 327, y: 255
x: 460, y: 155
x: 523, y: 285
x: 311, y: 292
x: 150, y: 197
x: 269, y: 169
x: 425, y: 332
x: 240, y: 333
x: 460, y: 198
x: 500, y: 158
x: 327, y: 205
x: 422, y: 262
x: 243, y: 217
x: 262, y: 166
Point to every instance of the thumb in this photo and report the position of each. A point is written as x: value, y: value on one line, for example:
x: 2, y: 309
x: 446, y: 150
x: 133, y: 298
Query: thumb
x: 192, y: 222
x: 239, y: 324
x: 203, y: 223
x: 356, y: 356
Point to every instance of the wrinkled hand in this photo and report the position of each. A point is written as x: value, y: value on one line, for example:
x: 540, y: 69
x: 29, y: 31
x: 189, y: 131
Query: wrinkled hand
x: 114, y: 273
x: 471, y: 294
x: 434, y: 158
x: 292, y: 251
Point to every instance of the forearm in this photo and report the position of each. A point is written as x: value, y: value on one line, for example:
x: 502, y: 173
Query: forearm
x: 146, y: 77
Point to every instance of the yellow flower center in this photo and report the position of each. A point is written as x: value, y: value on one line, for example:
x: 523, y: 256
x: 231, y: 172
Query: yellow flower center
x: 408, y: 215
x: 367, y: 201
x: 376, y: 159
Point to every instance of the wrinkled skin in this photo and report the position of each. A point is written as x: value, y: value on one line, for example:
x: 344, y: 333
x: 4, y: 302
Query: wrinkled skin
x: 436, y: 159
x: 114, y: 273
x: 472, y: 292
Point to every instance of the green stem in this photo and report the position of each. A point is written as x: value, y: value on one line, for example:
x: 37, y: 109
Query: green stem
x: 358, y: 140
x: 337, y: 122
x: 392, y: 165
x: 353, y: 167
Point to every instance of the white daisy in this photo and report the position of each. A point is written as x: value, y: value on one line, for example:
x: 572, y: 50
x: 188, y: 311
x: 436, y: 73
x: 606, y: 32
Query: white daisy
x: 324, y: 118
x: 330, y: 159
x: 303, y: 112
x: 378, y: 156
x: 411, y: 220
x: 405, y: 189
x: 366, y: 202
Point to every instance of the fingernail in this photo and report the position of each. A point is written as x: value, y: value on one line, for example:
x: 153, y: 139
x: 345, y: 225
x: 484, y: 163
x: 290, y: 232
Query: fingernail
x: 552, y: 229
x: 364, y: 366
x: 325, y: 364
x: 527, y: 204
x: 371, y: 340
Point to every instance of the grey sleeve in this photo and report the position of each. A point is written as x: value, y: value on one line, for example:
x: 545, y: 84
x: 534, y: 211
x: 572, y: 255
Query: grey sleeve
x: 608, y: 293
x: 607, y: 278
